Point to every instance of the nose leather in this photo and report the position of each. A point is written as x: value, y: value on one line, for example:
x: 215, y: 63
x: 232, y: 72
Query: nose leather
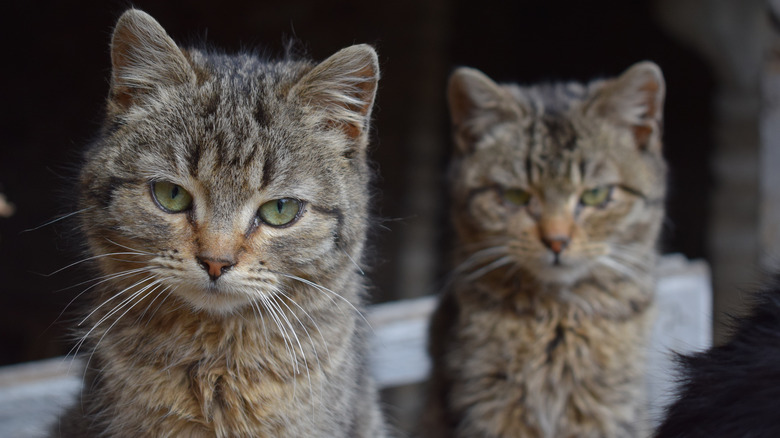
x: 215, y: 268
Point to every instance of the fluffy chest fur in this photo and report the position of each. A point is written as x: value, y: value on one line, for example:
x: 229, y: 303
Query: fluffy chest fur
x: 208, y: 376
x: 544, y: 369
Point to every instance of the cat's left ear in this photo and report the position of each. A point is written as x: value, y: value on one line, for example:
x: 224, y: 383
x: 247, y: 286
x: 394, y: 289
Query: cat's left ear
x: 635, y: 99
x: 343, y: 88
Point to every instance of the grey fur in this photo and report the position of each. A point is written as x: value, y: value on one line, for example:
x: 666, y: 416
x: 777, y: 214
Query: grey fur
x: 542, y: 331
x: 276, y: 345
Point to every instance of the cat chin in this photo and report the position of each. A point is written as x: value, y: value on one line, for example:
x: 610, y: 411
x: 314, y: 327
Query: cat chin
x: 212, y: 300
x: 560, y: 274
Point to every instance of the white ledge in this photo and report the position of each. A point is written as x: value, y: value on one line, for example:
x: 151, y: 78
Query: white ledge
x: 32, y: 394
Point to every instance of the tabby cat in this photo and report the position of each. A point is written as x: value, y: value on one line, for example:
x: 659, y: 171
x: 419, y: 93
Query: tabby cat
x: 225, y: 203
x: 558, y: 197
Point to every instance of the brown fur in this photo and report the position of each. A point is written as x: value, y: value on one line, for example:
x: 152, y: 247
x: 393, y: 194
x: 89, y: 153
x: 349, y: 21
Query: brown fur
x: 210, y: 322
x: 542, y: 332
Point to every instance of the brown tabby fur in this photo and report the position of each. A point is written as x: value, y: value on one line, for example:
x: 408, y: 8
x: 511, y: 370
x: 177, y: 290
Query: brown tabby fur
x: 527, y: 343
x: 275, y: 346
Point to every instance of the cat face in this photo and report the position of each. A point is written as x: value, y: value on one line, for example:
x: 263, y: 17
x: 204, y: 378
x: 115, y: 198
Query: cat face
x: 553, y: 180
x: 225, y: 179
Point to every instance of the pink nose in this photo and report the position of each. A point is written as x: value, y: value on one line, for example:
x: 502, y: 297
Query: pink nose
x: 556, y: 245
x: 215, y: 268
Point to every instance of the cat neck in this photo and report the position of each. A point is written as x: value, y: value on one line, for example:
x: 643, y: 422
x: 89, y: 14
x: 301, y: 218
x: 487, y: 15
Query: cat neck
x: 601, y: 293
x: 171, y: 333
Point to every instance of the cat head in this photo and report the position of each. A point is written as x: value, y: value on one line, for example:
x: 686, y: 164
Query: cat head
x: 221, y: 179
x: 555, y: 179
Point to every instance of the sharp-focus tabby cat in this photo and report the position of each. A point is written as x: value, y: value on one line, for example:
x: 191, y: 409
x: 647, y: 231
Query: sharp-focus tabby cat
x: 225, y: 204
x: 558, y: 196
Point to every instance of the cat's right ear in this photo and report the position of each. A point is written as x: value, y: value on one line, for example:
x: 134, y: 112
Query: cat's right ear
x: 143, y: 58
x: 476, y: 102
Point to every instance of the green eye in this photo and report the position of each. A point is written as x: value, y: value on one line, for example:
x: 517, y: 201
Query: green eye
x: 596, y: 197
x: 517, y: 196
x: 170, y: 197
x: 280, y: 211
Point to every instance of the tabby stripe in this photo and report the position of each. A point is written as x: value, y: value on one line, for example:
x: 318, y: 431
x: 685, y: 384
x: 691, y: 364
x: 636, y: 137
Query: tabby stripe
x: 269, y: 165
x: 104, y: 194
x: 259, y: 115
x: 480, y: 190
x: 338, y: 214
x: 194, y: 158
x: 637, y: 193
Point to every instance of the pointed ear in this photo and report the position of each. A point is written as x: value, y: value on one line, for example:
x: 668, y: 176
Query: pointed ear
x: 476, y: 103
x: 635, y: 99
x: 144, y: 57
x: 343, y: 88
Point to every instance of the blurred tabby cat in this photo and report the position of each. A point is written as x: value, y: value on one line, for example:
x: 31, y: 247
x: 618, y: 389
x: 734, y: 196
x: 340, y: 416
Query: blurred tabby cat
x: 225, y: 203
x: 558, y: 196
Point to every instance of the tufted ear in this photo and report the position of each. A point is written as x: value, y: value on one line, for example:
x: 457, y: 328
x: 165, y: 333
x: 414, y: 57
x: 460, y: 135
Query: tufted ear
x: 635, y: 99
x: 476, y: 102
x: 144, y: 57
x: 343, y: 88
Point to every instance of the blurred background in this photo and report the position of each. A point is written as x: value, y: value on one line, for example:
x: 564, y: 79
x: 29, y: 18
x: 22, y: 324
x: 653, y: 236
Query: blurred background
x: 712, y: 52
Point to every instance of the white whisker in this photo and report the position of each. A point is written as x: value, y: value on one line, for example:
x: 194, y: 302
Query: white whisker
x: 134, y: 301
x: 352, y: 260
x: 311, y: 341
x: 114, y: 296
x: 312, y: 321
x: 287, y: 344
x: 102, y: 279
x: 129, y: 248
x: 325, y: 289
x: 481, y: 257
x: 620, y: 268
x: 92, y: 258
x: 300, y: 347
x: 256, y: 308
x: 503, y: 261
x: 55, y: 220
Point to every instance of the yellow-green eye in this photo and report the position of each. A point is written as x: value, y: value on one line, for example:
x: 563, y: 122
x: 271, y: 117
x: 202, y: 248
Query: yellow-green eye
x: 279, y: 211
x: 596, y: 197
x: 171, y: 197
x: 517, y: 196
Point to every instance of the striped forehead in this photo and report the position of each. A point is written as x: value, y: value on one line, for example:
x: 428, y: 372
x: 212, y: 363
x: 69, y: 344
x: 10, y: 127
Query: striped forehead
x: 226, y: 129
x: 553, y: 150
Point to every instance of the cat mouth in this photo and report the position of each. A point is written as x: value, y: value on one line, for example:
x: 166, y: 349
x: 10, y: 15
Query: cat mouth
x: 556, y: 260
x: 213, y: 287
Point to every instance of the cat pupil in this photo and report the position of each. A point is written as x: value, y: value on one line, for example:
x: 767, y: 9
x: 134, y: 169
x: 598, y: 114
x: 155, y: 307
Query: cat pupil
x: 280, y: 205
x: 174, y: 192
